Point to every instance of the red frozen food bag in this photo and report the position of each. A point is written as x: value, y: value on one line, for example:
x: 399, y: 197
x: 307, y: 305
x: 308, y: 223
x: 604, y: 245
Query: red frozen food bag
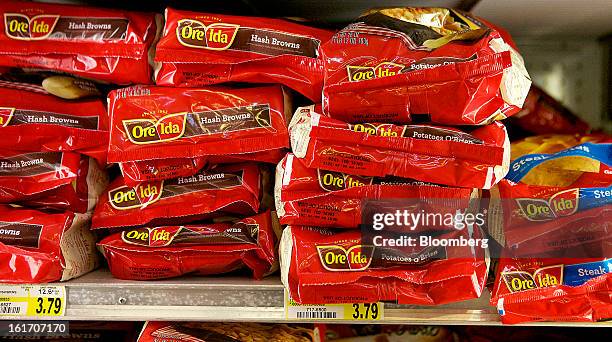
x: 161, y: 122
x: 160, y: 169
x: 51, y: 180
x: 408, y: 65
x: 542, y: 114
x: 315, y: 197
x: 36, y: 247
x: 202, y: 249
x: 320, y: 266
x: 199, y: 49
x: 33, y: 122
x: 554, y: 201
x: 554, y: 289
x: 474, y: 158
x: 231, y: 189
x: 102, y: 44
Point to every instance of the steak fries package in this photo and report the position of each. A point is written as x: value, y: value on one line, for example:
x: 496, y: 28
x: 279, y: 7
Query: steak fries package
x: 314, y: 197
x: 51, y: 180
x: 160, y: 122
x: 553, y: 143
x: 321, y: 266
x: 199, y: 49
x: 553, y: 212
x: 231, y: 189
x: 548, y: 200
x: 202, y: 249
x: 407, y: 65
x: 37, y: 247
x: 477, y: 158
x: 33, y: 122
x: 555, y: 289
x: 112, y: 46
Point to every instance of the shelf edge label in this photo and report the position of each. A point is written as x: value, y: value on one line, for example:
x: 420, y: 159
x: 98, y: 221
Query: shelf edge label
x: 345, y: 311
x: 32, y: 301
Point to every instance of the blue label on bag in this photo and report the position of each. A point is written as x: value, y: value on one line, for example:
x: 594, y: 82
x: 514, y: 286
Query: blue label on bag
x: 522, y: 165
x: 578, y: 274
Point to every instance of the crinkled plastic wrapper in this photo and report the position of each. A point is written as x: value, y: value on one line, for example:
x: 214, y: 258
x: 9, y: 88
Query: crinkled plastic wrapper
x: 476, y: 158
x: 168, y: 132
x: 554, y: 289
x: 34, y: 122
x: 160, y: 169
x: 409, y: 65
x: 201, y: 249
x: 232, y: 189
x: 548, y: 200
x: 112, y: 46
x: 36, y: 247
x: 199, y: 49
x: 315, y: 197
x: 321, y: 266
x: 553, y: 214
x: 51, y: 180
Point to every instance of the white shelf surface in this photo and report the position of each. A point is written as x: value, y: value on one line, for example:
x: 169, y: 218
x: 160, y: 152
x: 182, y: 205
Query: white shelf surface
x: 99, y: 296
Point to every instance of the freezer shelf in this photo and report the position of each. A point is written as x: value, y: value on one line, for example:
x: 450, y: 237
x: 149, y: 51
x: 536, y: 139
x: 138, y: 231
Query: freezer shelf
x: 99, y: 296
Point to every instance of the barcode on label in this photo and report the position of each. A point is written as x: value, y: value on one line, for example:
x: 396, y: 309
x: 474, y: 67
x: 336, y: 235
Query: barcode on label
x: 10, y: 310
x: 316, y: 314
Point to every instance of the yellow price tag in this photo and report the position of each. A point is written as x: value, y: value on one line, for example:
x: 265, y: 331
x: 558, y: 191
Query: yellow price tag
x: 347, y: 312
x: 364, y: 311
x: 32, y: 300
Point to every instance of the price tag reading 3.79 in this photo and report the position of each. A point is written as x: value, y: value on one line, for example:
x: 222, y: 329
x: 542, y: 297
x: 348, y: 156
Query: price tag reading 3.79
x: 347, y: 312
x: 366, y: 311
x: 32, y: 300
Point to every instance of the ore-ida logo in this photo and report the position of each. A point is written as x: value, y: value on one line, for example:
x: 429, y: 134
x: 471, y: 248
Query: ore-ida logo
x: 151, y: 237
x: 124, y: 197
x: 217, y: 36
x: 363, y: 73
x: 381, y: 130
x: 564, y: 203
x: 148, y: 131
x: 21, y: 27
x: 336, y: 181
x: 339, y: 259
x: 517, y: 281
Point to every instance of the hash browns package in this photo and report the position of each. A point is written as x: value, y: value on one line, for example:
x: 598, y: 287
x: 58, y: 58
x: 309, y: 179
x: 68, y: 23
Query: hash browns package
x: 200, y: 49
x: 201, y: 248
x: 51, y: 180
x: 103, y: 44
x: 231, y: 189
x: 150, y: 122
x: 37, y: 247
x: 34, y: 122
x: 159, y: 169
x: 409, y: 65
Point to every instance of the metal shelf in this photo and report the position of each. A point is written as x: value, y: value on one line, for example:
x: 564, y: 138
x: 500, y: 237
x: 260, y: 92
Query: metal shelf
x: 99, y: 296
